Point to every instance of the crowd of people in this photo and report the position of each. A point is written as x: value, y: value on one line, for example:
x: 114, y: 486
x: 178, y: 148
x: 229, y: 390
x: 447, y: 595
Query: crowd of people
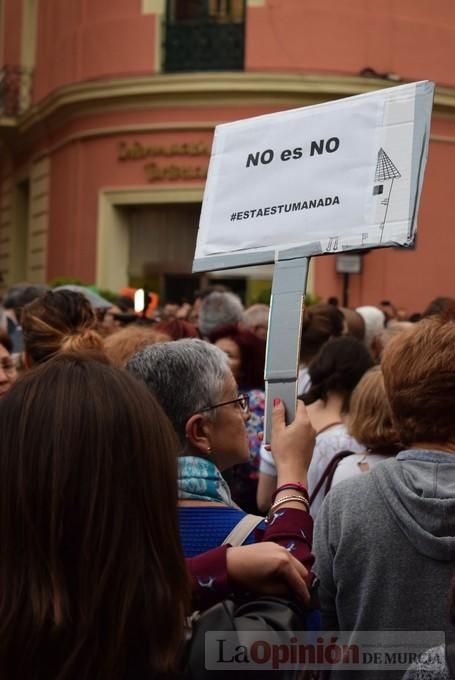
x: 136, y: 490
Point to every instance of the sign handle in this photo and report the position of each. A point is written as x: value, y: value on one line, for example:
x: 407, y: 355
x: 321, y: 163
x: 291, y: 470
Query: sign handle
x: 283, y: 340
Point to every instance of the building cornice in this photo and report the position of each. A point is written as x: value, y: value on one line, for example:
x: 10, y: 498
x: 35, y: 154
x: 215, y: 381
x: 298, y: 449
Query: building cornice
x: 209, y: 89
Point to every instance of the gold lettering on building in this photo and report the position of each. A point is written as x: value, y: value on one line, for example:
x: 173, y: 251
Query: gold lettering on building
x: 155, y: 172
x: 137, y: 151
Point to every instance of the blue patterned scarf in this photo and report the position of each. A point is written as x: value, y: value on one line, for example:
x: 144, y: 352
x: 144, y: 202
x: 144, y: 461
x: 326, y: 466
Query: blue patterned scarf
x: 200, y: 480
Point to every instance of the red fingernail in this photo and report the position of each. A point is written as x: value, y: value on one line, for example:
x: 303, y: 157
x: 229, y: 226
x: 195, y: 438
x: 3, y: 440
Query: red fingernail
x: 276, y: 402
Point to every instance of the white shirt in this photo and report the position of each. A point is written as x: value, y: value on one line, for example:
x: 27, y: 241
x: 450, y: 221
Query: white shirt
x: 351, y: 466
x: 304, y: 380
x: 267, y: 463
x: 328, y: 444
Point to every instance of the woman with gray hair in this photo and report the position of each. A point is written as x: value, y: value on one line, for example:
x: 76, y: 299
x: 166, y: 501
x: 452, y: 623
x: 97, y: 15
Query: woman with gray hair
x: 219, y: 308
x: 197, y: 390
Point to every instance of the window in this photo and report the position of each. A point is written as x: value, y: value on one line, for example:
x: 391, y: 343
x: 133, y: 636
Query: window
x: 204, y: 35
x: 215, y: 10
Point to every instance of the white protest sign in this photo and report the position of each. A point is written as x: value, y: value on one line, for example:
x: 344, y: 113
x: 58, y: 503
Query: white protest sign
x: 331, y: 178
x: 340, y: 176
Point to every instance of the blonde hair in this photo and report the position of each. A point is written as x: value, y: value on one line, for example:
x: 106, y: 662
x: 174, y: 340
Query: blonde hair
x: 59, y: 321
x: 125, y: 343
x: 370, y: 417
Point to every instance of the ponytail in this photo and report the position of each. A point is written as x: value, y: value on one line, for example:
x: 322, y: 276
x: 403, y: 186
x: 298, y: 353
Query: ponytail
x: 59, y: 321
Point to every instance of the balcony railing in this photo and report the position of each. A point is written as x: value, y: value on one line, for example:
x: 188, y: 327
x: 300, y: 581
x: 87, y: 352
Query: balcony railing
x: 15, y: 90
x: 203, y: 45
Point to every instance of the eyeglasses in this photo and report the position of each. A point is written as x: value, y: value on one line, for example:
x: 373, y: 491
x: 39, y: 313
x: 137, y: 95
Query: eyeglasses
x: 243, y: 400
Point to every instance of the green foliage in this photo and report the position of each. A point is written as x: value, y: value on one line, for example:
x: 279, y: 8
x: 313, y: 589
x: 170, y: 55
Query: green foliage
x: 312, y: 299
x: 73, y: 281
x: 263, y: 297
x: 66, y: 281
x: 105, y: 293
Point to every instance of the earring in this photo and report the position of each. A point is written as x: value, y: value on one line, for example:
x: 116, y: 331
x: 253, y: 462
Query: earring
x: 209, y: 450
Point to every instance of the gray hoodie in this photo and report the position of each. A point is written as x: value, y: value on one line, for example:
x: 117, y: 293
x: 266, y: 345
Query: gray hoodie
x: 385, y: 548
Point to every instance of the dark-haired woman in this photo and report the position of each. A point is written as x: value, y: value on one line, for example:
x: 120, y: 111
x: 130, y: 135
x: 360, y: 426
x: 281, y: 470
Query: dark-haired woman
x: 92, y: 578
x: 81, y: 577
x: 334, y: 374
x: 320, y: 323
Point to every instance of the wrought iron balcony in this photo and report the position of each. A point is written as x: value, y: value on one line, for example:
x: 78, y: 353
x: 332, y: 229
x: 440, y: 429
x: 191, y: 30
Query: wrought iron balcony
x: 203, y: 45
x: 15, y: 90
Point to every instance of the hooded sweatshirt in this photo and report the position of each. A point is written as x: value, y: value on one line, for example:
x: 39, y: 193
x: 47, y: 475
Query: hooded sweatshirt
x: 385, y: 548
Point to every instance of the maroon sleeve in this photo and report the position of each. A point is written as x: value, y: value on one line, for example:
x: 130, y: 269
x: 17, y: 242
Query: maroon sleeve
x: 209, y: 577
x: 293, y: 529
x: 288, y: 527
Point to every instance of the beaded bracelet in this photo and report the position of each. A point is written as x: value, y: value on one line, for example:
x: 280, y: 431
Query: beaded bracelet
x: 293, y: 497
x: 295, y: 486
x: 288, y: 499
x: 274, y: 507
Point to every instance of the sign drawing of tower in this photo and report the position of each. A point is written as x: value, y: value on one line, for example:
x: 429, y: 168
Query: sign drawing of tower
x: 385, y: 175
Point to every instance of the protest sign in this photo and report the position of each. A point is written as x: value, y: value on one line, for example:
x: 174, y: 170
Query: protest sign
x: 331, y: 178
x: 328, y: 178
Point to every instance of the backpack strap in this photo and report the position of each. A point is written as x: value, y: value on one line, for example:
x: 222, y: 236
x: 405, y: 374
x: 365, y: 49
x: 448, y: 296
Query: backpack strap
x: 327, y: 475
x: 238, y: 534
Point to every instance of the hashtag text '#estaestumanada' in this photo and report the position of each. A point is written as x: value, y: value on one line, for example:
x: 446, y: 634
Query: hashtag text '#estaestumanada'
x: 285, y: 208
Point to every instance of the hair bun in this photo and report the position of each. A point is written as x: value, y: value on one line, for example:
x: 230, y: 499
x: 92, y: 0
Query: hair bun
x: 84, y: 339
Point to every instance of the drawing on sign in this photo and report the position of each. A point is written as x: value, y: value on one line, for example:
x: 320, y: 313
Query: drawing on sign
x: 385, y: 175
x: 332, y: 244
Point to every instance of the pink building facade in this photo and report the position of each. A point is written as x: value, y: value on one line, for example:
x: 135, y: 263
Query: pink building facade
x: 107, y: 111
